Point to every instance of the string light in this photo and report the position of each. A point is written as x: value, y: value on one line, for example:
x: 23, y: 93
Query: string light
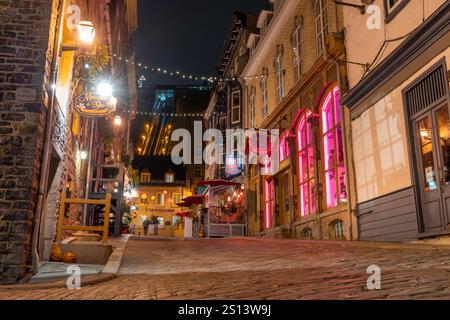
x: 183, y: 75
x: 167, y: 114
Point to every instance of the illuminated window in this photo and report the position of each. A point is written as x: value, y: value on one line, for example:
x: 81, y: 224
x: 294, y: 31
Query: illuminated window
x: 160, y: 199
x: 176, y: 198
x: 236, y: 107
x: 321, y: 21
x: 269, y: 202
x: 145, y: 177
x: 306, y: 166
x: 170, y: 178
x: 335, y: 184
x: 285, y: 151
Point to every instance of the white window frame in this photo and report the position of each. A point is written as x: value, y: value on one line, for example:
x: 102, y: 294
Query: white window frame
x: 237, y: 108
x: 321, y: 24
x: 147, y: 177
x: 252, y: 104
x: 265, y: 97
x: 297, y: 53
x: 161, y: 203
x: 169, y: 178
x: 279, y: 76
x: 175, y: 201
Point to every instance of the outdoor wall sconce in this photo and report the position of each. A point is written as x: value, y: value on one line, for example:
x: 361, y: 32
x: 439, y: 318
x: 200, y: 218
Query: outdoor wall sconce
x: 86, y: 32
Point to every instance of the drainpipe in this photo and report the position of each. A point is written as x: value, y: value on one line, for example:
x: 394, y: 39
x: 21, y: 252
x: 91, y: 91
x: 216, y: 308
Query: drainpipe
x: 45, y: 167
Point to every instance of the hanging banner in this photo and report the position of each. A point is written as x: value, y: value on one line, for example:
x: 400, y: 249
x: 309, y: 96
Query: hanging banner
x: 92, y: 105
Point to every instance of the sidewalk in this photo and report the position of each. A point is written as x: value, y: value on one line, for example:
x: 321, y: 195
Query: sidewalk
x: 54, y: 275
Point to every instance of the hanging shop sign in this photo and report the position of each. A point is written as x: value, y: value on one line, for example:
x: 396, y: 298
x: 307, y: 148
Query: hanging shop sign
x: 92, y: 105
x: 233, y: 166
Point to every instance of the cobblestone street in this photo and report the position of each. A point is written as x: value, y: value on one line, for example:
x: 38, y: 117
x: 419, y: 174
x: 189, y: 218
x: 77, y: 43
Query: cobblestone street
x: 266, y: 269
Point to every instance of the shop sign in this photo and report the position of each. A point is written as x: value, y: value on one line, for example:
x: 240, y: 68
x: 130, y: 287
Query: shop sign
x: 233, y: 166
x: 92, y: 105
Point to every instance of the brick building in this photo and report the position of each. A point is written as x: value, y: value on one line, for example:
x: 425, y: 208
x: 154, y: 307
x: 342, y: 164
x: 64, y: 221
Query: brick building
x: 43, y: 138
x: 298, y: 57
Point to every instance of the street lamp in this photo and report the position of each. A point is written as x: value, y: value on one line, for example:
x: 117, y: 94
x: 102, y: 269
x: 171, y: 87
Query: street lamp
x: 117, y: 121
x: 83, y: 155
x: 86, y: 32
x: 104, y: 89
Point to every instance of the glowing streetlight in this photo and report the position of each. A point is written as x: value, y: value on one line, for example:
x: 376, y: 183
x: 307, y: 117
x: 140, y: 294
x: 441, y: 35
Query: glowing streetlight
x: 86, y: 32
x: 104, y: 89
x: 83, y: 155
x: 117, y: 121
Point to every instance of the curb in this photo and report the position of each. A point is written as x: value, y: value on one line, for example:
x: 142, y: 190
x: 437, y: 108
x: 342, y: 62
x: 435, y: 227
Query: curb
x: 109, y: 272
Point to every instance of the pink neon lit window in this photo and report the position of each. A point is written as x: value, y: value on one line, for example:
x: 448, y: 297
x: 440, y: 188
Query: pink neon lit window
x: 285, y: 152
x: 306, y: 166
x: 335, y: 183
x: 269, y: 203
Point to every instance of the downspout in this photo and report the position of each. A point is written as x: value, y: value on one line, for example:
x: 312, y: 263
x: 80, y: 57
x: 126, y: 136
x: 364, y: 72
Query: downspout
x: 45, y: 167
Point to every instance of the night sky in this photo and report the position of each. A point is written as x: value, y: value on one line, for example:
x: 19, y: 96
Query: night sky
x: 185, y: 35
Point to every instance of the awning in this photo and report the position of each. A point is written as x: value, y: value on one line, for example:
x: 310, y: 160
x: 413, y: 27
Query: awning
x: 183, y: 205
x: 197, y: 199
x: 183, y: 213
x: 219, y: 183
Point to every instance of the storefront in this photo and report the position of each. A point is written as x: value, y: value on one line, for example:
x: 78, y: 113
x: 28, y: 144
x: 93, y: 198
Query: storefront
x: 400, y: 137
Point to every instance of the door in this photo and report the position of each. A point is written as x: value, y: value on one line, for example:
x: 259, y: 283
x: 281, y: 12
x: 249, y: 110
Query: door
x: 432, y: 140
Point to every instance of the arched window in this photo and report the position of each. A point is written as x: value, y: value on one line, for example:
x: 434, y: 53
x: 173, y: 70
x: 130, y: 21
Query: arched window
x: 336, y: 230
x: 285, y: 151
x: 335, y: 184
x: 307, y: 233
x: 305, y: 149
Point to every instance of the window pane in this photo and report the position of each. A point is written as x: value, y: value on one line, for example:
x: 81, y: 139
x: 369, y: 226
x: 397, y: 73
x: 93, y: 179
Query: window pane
x: 327, y: 114
x: 330, y: 178
x: 311, y: 162
x: 304, y: 200
x: 329, y: 151
x: 312, y: 197
x: 340, y: 146
x: 444, y: 135
x: 303, y: 172
x: 342, y: 184
x: 426, y: 146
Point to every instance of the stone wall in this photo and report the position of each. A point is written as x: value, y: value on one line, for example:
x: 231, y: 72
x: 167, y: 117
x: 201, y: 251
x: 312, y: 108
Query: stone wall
x: 27, y: 30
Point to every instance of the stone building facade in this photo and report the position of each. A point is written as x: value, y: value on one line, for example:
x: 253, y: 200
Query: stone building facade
x: 42, y: 135
x: 298, y: 58
x: 27, y: 41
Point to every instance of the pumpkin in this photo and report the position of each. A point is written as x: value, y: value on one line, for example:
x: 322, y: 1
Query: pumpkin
x: 70, y: 257
x: 56, y: 254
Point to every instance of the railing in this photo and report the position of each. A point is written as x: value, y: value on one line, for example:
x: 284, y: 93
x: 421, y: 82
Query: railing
x: 104, y: 229
x: 217, y: 215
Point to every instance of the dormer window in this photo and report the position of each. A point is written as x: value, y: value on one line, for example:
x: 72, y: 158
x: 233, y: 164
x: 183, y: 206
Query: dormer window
x: 252, y: 43
x: 170, y: 178
x: 264, y: 20
x: 145, y: 177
